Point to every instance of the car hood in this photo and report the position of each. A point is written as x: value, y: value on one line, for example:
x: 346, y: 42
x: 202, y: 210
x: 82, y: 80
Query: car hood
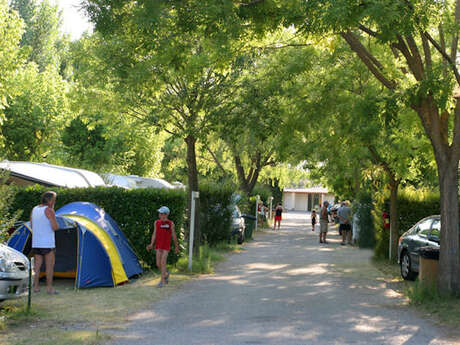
x: 11, y: 254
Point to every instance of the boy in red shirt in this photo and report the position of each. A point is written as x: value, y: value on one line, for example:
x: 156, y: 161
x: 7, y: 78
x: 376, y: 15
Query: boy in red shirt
x: 164, y: 229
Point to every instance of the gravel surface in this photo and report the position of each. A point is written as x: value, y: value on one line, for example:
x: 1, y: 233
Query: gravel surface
x: 285, y: 288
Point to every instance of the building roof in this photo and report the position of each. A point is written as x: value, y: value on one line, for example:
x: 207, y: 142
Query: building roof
x: 317, y: 190
x: 133, y: 182
x: 26, y: 173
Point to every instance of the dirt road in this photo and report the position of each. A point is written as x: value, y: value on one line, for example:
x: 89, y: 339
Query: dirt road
x: 285, y: 288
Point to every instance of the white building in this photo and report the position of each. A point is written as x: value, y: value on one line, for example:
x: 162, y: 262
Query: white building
x: 305, y: 199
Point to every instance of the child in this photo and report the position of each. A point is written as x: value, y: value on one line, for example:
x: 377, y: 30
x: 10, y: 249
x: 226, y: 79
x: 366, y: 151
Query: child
x: 313, y: 220
x: 164, y: 229
x: 278, y: 216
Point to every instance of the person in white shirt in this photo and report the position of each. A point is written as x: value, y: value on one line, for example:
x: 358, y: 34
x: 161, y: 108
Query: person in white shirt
x: 43, y: 224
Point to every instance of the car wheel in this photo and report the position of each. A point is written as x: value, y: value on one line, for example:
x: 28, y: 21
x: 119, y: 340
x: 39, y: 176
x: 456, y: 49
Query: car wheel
x: 240, y: 239
x: 406, y: 270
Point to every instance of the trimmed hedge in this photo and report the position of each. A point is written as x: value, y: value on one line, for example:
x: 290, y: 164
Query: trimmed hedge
x: 134, y: 210
x: 365, y: 221
x: 412, y: 206
x: 215, y: 212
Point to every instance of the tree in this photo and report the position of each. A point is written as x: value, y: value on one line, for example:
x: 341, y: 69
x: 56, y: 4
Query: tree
x: 252, y: 120
x: 11, y: 56
x: 36, y: 115
x: 42, y: 33
x: 171, y: 71
x: 417, y: 59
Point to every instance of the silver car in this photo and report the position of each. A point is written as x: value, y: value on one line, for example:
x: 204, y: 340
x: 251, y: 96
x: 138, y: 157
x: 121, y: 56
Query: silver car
x: 14, y: 273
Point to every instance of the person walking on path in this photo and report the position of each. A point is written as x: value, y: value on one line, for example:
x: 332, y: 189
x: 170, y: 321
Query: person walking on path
x: 313, y: 220
x: 164, y: 229
x: 44, y: 224
x: 323, y: 222
x: 278, y: 216
x: 344, y: 214
x: 262, y: 214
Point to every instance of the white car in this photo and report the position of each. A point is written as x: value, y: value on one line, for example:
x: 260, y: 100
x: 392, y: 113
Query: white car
x: 14, y: 273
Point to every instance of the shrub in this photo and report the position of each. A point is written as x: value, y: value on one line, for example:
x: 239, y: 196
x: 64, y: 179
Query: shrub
x: 215, y: 212
x: 365, y: 221
x: 134, y: 210
x: 413, y: 205
x: 248, y: 204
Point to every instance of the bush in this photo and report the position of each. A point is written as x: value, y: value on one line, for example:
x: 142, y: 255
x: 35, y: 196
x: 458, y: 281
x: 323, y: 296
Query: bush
x: 365, y: 221
x: 413, y: 205
x: 134, y: 210
x: 215, y: 213
x: 248, y: 204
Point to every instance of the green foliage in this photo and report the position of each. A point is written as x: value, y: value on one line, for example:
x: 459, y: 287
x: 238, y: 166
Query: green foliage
x: 365, y: 220
x: 247, y: 204
x: 84, y: 145
x: 134, y: 210
x: 421, y: 293
x: 7, y: 217
x: 11, y: 56
x: 35, y: 116
x: 42, y: 35
x: 413, y: 205
x: 208, y: 257
x: 215, y: 212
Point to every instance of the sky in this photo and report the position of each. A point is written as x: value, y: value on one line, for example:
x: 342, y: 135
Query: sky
x: 75, y: 23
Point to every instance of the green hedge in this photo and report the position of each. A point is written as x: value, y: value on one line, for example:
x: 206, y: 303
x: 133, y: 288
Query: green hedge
x: 413, y: 206
x: 215, y: 212
x: 134, y: 210
x: 365, y: 221
x: 248, y: 204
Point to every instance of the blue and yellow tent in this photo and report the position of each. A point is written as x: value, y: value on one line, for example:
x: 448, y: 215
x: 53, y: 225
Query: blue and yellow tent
x: 90, y: 247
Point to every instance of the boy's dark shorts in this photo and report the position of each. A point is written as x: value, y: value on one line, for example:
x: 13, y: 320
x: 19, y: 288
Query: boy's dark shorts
x: 43, y: 251
x: 345, y: 227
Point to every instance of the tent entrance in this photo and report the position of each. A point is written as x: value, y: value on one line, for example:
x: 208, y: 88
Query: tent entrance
x: 66, y: 253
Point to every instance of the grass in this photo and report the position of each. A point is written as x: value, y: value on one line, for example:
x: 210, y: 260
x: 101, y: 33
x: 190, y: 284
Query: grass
x: 78, y: 317
x: 82, y: 317
x: 443, y: 310
x: 209, y: 257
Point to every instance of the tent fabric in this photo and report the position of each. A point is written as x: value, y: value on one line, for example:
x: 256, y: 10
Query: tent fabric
x: 85, y: 250
x: 95, y: 214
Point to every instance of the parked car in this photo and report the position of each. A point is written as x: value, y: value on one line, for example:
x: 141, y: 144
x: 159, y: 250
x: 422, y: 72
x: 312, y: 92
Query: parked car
x: 14, y: 273
x: 238, y: 225
x: 425, y: 233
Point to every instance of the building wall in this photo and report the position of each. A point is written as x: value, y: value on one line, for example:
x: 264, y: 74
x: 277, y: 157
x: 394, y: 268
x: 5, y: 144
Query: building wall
x: 289, y: 200
x: 301, y: 201
x: 305, y: 201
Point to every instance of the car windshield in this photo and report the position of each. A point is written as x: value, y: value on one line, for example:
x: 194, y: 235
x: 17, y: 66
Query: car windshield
x: 436, y: 229
x: 424, y: 227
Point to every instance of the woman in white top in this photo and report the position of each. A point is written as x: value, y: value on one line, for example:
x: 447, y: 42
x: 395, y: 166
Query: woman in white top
x: 43, y: 224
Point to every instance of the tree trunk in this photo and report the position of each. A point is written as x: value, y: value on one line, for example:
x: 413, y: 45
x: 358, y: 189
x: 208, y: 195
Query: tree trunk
x: 449, y: 260
x: 394, y: 223
x: 192, y: 172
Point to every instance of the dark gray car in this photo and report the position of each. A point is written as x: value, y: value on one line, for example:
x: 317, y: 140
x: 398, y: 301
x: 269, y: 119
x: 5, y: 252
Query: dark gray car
x: 425, y: 233
x: 238, y: 224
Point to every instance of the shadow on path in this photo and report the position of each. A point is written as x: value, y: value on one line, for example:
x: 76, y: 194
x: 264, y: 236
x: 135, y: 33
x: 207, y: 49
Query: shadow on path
x: 285, y: 289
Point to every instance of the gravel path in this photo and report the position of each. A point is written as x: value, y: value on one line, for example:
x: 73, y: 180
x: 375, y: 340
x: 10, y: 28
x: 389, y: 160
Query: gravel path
x: 284, y: 289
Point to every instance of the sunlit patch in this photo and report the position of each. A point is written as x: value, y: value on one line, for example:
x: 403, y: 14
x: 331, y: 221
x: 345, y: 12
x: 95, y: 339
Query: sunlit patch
x: 392, y: 293
x: 312, y: 269
x: 207, y: 323
x: 323, y: 283
x: 225, y: 277
x: 263, y: 266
